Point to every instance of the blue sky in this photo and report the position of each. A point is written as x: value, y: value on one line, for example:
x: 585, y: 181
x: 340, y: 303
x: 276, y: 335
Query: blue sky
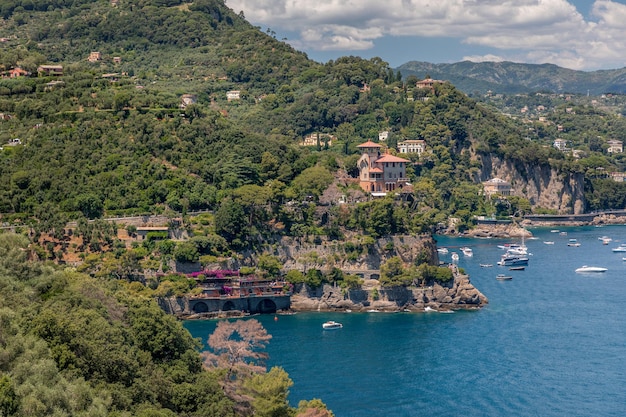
x: 576, y: 34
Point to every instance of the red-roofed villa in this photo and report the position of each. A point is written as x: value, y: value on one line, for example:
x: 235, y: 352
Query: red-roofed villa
x: 380, y: 173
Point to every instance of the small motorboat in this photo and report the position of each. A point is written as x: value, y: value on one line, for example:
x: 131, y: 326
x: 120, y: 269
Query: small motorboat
x: 586, y: 268
x: 332, y: 325
x: 502, y: 277
x: 548, y: 242
x: 620, y: 248
x: 467, y: 251
x: 486, y: 265
x: 573, y: 243
x: 517, y: 268
x: 442, y: 251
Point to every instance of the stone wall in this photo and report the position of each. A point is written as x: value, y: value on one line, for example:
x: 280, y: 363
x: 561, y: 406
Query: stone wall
x: 295, y: 254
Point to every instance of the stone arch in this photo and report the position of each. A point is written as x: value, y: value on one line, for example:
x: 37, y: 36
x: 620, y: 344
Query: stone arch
x: 228, y: 305
x: 200, y: 307
x: 266, y: 306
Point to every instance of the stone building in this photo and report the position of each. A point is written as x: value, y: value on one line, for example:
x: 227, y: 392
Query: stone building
x: 497, y: 186
x: 417, y: 146
x: 380, y: 173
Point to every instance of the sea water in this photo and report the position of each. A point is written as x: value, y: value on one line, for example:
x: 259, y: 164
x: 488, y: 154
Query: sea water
x: 551, y: 342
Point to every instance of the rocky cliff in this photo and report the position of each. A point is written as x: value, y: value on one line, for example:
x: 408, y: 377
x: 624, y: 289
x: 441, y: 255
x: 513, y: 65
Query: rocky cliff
x: 542, y: 185
x: 458, y: 294
x: 356, y: 255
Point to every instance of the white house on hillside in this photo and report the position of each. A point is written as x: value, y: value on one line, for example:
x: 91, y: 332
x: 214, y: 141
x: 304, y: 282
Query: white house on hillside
x: 417, y: 146
x: 615, y: 146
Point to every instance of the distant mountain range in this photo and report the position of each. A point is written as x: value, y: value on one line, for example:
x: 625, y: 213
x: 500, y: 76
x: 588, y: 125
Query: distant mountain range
x: 510, y: 77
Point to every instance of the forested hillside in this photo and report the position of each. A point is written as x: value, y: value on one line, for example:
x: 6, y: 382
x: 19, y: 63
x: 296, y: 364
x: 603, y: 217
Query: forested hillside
x: 113, y: 135
x: 112, y: 108
x: 74, y: 346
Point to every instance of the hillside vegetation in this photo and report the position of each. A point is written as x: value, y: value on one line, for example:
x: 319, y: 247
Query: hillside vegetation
x: 111, y: 137
x: 74, y: 346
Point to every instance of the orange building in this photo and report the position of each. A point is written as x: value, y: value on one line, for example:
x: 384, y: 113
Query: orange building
x: 380, y: 173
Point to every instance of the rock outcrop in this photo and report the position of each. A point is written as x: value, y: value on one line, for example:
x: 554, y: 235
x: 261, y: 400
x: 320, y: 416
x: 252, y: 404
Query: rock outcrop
x: 498, y: 231
x: 354, y: 256
x: 458, y: 294
x: 542, y: 185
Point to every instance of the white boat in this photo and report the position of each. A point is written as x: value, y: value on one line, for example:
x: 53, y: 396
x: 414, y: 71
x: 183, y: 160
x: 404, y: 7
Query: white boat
x: 515, y: 248
x: 486, y: 265
x: 586, y: 268
x: 442, y: 251
x: 573, y: 242
x: 455, y: 256
x: 509, y: 259
x: 554, y: 231
x: 605, y: 240
x: 548, y: 242
x: 467, y: 251
x: 509, y: 246
x: 620, y: 248
x: 521, y: 250
x: 331, y: 325
x: 502, y: 277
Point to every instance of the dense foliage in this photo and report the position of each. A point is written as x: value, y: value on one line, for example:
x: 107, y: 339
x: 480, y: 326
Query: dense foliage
x: 111, y: 138
x: 74, y: 346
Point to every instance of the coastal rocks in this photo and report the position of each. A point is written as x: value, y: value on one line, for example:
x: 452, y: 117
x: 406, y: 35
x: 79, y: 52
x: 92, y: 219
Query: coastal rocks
x: 459, y: 294
x: 497, y: 231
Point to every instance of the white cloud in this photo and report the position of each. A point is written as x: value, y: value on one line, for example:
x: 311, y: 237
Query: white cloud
x: 531, y: 29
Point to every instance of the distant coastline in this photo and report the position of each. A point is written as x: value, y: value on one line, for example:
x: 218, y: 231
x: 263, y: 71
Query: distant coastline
x: 510, y: 229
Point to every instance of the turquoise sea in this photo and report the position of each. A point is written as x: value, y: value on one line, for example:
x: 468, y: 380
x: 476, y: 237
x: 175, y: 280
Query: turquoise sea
x: 550, y: 342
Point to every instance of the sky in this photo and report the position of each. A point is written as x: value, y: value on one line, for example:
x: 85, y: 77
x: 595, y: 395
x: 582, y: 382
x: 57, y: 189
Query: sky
x: 577, y: 34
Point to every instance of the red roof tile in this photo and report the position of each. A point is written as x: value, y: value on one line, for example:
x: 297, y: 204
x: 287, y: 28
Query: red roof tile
x: 391, y: 158
x: 369, y: 144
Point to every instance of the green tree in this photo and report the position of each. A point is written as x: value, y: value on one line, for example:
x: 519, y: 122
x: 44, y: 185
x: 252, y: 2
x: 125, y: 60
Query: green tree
x: 311, y: 182
x: 270, y: 391
x: 9, y: 402
x: 231, y: 223
x: 186, y: 252
x: 391, y: 270
x: 270, y: 265
x: 90, y: 205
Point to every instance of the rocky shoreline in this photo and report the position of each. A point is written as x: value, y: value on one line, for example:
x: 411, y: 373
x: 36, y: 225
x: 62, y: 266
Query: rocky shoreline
x: 518, y: 230
x: 458, y: 294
